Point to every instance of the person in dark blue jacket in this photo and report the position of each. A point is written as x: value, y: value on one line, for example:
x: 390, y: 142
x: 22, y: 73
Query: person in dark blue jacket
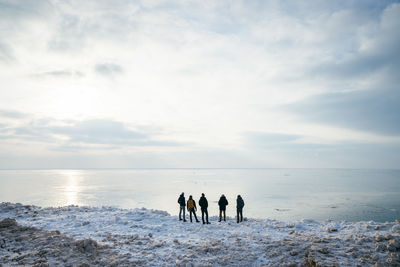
x: 204, y: 205
x: 182, y: 205
x: 239, y: 208
x: 222, y: 203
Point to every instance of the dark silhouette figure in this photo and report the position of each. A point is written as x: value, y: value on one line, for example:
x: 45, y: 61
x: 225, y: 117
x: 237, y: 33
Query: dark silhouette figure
x: 203, y: 203
x: 222, y: 203
x: 182, y: 204
x: 239, y: 208
x: 191, y: 206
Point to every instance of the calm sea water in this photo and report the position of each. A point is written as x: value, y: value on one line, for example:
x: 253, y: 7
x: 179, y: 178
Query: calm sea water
x: 284, y: 194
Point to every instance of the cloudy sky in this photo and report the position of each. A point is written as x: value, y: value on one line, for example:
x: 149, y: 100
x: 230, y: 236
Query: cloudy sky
x: 125, y: 83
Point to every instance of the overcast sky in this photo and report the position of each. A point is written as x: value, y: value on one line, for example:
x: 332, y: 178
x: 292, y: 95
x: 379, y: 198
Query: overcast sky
x: 123, y: 83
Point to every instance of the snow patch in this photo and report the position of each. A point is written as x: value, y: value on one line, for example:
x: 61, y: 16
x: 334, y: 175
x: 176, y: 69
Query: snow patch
x: 107, y: 235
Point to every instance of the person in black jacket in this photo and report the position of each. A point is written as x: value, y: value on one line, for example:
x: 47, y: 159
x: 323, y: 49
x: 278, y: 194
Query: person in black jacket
x: 182, y: 204
x: 191, y: 206
x: 222, y: 203
x: 204, y: 205
x: 239, y: 208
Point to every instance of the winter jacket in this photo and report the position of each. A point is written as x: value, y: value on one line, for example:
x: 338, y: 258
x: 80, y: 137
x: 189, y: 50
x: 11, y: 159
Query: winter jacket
x: 181, y: 200
x: 191, y: 204
x: 222, y: 203
x: 239, y: 203
x: 203, y: 203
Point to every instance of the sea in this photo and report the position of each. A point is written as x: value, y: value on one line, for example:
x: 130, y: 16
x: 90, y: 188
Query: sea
x: 281, y: 194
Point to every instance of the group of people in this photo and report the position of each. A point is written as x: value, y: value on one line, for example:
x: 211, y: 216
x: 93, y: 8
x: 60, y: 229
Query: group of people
x: 222, y: 203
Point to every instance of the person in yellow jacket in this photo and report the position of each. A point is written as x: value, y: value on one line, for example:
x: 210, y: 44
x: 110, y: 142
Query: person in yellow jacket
x: 191, y: 207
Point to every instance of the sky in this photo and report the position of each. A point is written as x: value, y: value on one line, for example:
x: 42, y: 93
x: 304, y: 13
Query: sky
x: 199, y: 84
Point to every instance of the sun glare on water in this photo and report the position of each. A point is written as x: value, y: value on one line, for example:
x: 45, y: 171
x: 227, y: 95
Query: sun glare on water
x: 71, y: 188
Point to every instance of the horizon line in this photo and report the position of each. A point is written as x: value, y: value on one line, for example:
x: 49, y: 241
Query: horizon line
x: 201, y: 168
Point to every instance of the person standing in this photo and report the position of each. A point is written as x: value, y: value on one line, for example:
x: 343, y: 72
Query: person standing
x: 182, y: 205
x: 191, y: 206
x: 239, y: 208
x: 204, y: 205
x: 222, y: 203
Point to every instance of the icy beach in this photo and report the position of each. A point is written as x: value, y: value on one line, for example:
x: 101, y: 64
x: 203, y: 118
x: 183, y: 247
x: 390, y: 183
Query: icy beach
x: 72, y: 235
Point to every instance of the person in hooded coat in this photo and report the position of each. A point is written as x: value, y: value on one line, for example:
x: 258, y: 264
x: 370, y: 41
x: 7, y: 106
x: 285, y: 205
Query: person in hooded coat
x: 204, y: 205
x: 191, y: 206
x: 239, y: 208
x: 182, y: 205
x: 222, y: 203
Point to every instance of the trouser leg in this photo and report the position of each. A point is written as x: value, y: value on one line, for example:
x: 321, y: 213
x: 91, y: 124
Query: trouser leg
x: 206, y: 211
x: 202, y: 215
x: 225, y: 215
x: 220, y: 215
x: 237, y: 215
x: 190, y: 215
x: 194, y: 212
x: 182, y: 210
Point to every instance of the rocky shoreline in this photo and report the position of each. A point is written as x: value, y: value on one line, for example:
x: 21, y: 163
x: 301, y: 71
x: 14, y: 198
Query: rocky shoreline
x: 29, y: 246
x: 87, y: 236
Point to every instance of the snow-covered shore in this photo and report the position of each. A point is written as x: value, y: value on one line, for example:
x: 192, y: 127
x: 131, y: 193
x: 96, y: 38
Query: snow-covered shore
x: 111, y: 236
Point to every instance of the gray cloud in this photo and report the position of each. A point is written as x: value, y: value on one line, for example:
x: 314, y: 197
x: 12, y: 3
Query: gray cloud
x: 60, y: 73
x: 12, y: 114
x: 344, y: 155
x: 362, y: 65
x: 261, y: 139
x: 13, y: 12
x: 71, y: 34
x: 374, y: 47
x: 81, y: 135
x: 108, y: 132
x: 372, y: 110
x: 101, y: 132
x: 370, y: 72
x: 108, y: 68
x: 6, y: 54
x: 28, y: 130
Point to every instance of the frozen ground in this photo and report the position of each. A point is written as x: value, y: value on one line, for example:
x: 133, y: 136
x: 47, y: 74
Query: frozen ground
x: 72, y: 235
